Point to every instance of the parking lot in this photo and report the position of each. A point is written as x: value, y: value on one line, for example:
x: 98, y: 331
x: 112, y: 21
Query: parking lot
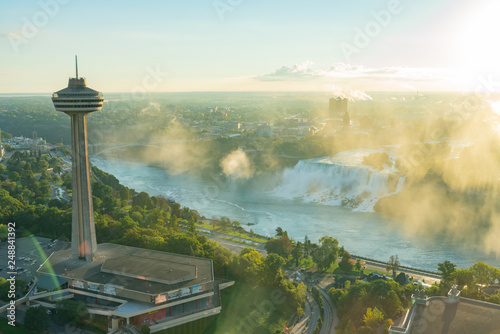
x: 31, y: 252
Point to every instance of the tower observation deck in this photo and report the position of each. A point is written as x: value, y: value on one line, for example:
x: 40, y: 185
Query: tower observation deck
x: 77, y: 101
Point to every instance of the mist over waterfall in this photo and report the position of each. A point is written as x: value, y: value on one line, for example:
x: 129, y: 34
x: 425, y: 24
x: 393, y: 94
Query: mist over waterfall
x: 337, y: 182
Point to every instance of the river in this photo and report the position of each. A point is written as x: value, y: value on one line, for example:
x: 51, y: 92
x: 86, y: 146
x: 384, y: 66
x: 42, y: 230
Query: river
x: 361, y: 233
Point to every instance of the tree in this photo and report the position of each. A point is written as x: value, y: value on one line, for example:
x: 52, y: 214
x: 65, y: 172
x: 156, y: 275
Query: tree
x: 345, y: 264
x: 53, y: 162
x: 483, y: 273
x: 401, y: 278
x: 341, y: 251
x: 97, y: 203
x: 14, y: 176
x: 5, y: 135
x: 214, y: 222
x: 279, y: 232
x: 152, y: 219
x: 297, y: 253
x: 57, y: 169
x: 191, y: 226
x: 36, y: 319
x: 136, y: 216
x: 124, y: 194
x: 446, y: 269
x: 176, y: 209
x: 236, y: 226
x: 307, y: 246
x: 3, y: 232
x: 20, y: 288
x: 463, y: 277
x: 281, y: 246
x: 373, y: 318
x: 145, y: 329
x: 272, y: 272
x: 102, y: 191
x: 358, y: 265
x: 326, y: 253
x: 393, y: 264
x: 250, y: 266
x: 224, y: 222
x: 142, y: 200
x: 300, y: 312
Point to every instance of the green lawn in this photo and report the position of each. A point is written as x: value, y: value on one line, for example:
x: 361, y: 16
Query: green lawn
x: 367, y: 271
x: 244, y: 306
x: 230, y: 232
x: 304, y: 263
x: 332, y: 268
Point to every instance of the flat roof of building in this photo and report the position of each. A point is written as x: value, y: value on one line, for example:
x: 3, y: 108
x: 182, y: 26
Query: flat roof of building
x: 132, y: 268
x: 442, y: 315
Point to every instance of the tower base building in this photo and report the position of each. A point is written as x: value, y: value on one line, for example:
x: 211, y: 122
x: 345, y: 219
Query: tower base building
x: 133, y: 287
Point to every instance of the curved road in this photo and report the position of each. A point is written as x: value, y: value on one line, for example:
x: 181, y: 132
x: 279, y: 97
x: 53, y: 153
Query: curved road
x: 330, y: 320
x: 311, y: 317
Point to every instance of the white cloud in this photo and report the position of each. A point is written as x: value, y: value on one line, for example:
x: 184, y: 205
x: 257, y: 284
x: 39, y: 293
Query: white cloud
x: 346, y: 71
x: 365, y: 78
x: 297, y: 72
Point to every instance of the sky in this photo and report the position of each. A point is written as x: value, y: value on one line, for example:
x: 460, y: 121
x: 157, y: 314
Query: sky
x: 257, y: 45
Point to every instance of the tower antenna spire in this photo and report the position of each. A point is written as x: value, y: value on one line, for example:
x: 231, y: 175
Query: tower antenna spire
x: 76, y: 63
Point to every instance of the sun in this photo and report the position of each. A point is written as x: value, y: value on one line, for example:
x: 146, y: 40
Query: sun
x: 479, y: 45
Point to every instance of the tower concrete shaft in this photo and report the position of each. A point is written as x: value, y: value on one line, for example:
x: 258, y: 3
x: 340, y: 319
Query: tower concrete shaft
x: 83, y: 237
x: 77, y: 101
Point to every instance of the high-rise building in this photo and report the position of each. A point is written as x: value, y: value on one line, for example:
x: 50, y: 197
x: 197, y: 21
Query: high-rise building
x: 337, y: 107
x: 77, y: 100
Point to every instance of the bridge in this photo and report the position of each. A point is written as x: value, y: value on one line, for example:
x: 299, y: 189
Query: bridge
x: 100, y: 149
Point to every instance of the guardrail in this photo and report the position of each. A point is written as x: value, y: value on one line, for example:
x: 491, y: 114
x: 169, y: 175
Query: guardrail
x: 401, y: 267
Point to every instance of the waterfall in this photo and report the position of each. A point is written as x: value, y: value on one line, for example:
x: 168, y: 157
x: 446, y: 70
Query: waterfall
x: 401, y: 183
x: 355, y: 186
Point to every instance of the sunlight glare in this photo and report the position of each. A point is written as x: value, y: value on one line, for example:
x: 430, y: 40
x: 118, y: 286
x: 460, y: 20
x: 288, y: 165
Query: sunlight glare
x: 479, y: 46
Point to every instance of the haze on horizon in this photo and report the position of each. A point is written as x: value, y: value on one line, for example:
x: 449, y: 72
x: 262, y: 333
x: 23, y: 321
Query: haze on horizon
x: 223, y: 45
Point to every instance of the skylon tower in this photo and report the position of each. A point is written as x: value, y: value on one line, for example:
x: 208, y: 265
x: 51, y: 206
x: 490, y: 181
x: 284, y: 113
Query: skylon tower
x: 77, y: 101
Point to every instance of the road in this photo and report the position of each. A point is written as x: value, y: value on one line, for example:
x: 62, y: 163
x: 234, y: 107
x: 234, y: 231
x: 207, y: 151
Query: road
x: 310, y: 318
x: 330, y: 320
x: 303, y: 323
x: 311, y: 310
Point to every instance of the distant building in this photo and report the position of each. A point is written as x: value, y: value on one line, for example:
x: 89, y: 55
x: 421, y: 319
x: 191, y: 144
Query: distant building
x: 338, y: 116
x: 337, y: 107
x: 265, y: 130
x: 347, y: 121
x: 233, y: 126
x: 452, y: 314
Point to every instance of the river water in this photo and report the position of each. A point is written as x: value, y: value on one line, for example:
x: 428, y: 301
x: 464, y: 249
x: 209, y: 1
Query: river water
x: 360, y: 232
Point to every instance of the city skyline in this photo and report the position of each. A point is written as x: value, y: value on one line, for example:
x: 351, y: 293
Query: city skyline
x: 251, y: 46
